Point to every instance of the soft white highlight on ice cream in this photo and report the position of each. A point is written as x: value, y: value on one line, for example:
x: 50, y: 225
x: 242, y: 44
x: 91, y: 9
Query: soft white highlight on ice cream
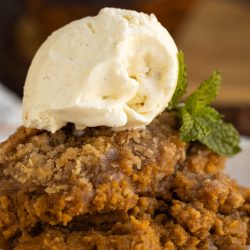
x: 117, y: 69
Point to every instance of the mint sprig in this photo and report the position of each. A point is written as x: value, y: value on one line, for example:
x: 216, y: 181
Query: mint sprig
x: 201, y: 115
x: 199, y: 121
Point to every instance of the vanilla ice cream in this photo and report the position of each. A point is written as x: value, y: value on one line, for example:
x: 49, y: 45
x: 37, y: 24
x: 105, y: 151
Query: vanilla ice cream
x: 117, y: 69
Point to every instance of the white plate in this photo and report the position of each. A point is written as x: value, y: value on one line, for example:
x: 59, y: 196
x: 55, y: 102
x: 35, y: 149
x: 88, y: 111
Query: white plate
x: 238, y: 167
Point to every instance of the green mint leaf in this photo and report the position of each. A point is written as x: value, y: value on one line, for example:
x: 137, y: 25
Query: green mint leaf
x: 201, y: 122
x: 208, y: 113
x: 207, y: 126
x: 198, y: 124
x: 223, y: 139
x: 198, y: 120
x: 181, y: 83
x: 187, y: 125
x: 205, y: 93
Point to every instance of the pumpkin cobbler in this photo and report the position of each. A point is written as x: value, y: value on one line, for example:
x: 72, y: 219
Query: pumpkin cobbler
x: 140, y: 189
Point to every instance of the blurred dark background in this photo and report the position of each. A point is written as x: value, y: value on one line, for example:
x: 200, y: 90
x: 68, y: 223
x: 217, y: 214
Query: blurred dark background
x: 214, y: 34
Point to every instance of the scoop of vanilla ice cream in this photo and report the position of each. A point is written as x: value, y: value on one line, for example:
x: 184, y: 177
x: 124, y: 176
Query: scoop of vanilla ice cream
x: 117, y: 69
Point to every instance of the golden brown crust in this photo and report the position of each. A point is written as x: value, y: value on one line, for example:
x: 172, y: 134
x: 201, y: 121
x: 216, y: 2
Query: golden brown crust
x: 141, y: 189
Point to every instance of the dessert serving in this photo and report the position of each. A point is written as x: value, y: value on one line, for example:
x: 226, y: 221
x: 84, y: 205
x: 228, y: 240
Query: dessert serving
x: 109, y: 157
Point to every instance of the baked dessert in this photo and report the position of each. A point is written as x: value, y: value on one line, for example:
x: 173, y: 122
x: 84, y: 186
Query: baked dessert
x: 70, y: 180
x: 141, y: 189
